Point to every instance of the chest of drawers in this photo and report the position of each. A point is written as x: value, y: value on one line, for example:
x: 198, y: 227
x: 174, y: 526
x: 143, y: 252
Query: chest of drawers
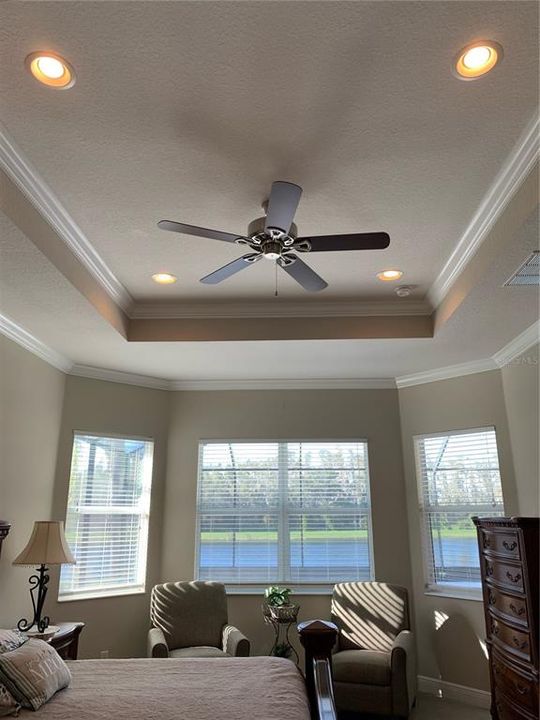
x: 509, y: 568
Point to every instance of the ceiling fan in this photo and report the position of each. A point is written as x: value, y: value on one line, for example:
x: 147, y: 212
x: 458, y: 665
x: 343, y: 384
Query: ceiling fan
x: 275, y: 237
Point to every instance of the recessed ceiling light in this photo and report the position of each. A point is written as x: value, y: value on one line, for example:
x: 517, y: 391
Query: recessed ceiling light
x: 51, y: 69
x: 164, y: 278
x: 387, y: 275
x: 477, y: 59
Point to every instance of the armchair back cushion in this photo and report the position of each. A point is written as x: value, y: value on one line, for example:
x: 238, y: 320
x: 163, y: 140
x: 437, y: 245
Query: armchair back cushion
x: 369, y: 615
x: 189, y: 613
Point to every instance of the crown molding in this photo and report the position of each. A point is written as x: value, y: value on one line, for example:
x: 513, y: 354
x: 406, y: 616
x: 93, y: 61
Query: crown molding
x: 514, y: 171
x: 446, y: 373
x: 32, y: 185
x: 247, y: 309
x: 509, y: 352
x: 518, y: 345
x: 286, y: 384
x: 26, y: 340
x: 117, y: 376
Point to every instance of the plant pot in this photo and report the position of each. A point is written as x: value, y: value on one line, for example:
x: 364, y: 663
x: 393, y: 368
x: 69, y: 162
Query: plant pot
x: 283, y: 613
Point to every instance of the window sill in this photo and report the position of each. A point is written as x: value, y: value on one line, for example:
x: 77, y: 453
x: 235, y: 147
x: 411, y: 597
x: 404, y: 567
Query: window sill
x: 98, y: 596
x: 297, y: 590
x: 456, y: 593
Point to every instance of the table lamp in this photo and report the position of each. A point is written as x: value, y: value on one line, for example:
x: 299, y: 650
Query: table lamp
x: 47, y: 546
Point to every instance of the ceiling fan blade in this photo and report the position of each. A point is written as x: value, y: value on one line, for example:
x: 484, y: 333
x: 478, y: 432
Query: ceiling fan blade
x: 355, y: 241
x: 282, y: 204
x: 231, y: 268
x: 302, y: 273
x: 200, y: 232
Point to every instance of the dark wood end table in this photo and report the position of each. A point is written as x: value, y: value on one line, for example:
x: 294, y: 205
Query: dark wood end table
x: 66, y: 640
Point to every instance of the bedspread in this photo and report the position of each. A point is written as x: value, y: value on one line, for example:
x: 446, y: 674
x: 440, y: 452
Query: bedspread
x: 258, y: 688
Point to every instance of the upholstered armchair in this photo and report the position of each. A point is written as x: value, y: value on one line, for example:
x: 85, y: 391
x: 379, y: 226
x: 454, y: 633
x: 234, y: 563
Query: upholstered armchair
x: 374, y: 666
x: 189, y: 619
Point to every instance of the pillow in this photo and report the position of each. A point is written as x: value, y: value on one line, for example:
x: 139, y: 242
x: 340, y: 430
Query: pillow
x: 8, y: 704
x: 11, y: 640
x: 33, y: 673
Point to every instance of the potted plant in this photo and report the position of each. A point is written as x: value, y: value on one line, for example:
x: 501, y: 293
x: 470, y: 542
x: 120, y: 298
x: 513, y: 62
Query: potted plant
x: 278, y: 605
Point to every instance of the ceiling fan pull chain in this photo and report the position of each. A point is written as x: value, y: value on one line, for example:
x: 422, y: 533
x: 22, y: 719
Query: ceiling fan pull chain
x: 276, y: 290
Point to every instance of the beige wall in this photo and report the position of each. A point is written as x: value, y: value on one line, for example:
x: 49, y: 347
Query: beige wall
x: 453, y: 651
x: 31, y: 396
x: 306, y: 414
x: 520, y: 384
x: 34, y: 483
x: 115, y: 624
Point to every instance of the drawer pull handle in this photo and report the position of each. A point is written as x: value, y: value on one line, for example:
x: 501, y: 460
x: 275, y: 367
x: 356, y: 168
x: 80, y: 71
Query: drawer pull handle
x: 487, y: 541
x: 489, y: 569
x: 495, y: 629
x: 517, y: 611
x: 492, y: 599
x: 521, y: 645
x: 509, y: 546
x: 513, y: 578
x: 522, y: 689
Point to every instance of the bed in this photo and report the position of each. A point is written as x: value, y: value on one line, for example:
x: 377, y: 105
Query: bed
x: 261, y: 688
x: 194, y: 689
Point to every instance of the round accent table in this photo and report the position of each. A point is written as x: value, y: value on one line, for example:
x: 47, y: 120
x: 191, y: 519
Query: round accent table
x: 65, y: 640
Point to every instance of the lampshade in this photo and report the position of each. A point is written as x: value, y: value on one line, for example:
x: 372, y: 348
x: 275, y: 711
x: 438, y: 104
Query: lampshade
x: 47, y: 546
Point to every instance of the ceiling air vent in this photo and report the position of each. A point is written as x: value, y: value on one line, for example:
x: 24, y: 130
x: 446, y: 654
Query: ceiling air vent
x: 528, y: 273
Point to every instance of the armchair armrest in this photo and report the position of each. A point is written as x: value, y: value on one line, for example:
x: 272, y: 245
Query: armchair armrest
x: 157, y: 645
x: 234, y: 642
x: 403, y: 665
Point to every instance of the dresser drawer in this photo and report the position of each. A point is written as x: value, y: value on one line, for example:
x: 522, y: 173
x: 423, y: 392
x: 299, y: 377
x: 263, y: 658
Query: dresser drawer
x: 498, y: 543
x: 504, y: 574
x: 510, y: 640
x: 519, y: 687
x: 508, y: 606
x: 507, y: 710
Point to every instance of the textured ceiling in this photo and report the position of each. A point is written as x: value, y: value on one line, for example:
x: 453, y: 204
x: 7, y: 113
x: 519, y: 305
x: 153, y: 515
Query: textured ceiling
x: 44, y: 303
x: 189, y: 110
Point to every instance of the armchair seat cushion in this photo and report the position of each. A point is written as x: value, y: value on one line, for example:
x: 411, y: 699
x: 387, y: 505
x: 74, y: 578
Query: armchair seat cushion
x: 201, y: 651
x: 362, y: 667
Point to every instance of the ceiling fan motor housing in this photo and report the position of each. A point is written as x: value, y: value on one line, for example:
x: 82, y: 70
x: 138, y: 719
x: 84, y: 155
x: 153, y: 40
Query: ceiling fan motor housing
x: 256, y: 231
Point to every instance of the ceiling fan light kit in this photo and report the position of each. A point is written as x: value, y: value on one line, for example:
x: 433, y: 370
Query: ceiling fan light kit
x: 275, y: 237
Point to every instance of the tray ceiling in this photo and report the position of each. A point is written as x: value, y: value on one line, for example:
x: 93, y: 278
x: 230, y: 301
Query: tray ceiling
x: 189, y: 111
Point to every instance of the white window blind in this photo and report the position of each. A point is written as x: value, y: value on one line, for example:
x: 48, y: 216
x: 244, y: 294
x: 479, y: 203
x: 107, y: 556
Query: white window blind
x: 107, y: 516
x: 458, y: 475
x: 283, y: 512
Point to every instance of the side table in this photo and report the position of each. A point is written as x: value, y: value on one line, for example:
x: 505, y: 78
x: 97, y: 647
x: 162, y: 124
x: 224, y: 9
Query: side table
x: 281, y: 618
x: 66, y: 640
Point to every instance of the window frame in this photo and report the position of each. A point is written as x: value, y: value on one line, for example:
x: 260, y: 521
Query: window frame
x: 305, y: 587
x: 431, y: 587
x: 123, y: 590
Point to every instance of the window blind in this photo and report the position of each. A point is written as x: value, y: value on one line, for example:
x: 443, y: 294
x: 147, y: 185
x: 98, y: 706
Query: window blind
x: 458, y: 475
x: 272, y: 512
x: 107, y: 516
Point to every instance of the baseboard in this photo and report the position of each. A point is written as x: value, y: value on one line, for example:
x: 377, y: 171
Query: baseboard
x: 453, y: 691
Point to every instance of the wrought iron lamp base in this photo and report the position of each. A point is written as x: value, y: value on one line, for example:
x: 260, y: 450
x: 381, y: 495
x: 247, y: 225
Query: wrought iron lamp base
x: 38, y: 593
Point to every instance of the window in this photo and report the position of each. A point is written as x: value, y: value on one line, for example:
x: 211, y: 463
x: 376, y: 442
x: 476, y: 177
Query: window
x: 107, y: 516
x: 283, y: 512
x: 458, y: 475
